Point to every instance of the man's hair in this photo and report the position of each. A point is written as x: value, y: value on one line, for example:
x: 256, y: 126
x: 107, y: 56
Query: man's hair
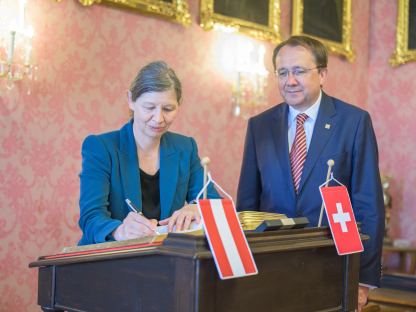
x: 155, y: 77
x: 316, y: 47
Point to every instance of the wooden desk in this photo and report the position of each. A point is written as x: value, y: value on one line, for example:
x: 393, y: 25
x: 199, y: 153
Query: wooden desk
x: 393, y: 299
x: 295, y: 269
x: 404, y: 253
x: 371, y: 307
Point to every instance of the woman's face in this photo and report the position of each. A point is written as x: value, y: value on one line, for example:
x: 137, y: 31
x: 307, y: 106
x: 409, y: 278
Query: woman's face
x: 154, y: 112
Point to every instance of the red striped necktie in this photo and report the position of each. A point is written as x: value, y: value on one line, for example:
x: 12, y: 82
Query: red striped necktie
x: 298, y: 151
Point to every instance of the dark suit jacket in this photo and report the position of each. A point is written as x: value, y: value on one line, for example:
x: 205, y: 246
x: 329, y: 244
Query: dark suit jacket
x: 266, y: 181
x: 110, y: 174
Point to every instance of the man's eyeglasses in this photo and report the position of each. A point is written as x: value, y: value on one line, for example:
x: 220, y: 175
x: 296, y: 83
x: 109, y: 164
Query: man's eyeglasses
x: 297, y: 72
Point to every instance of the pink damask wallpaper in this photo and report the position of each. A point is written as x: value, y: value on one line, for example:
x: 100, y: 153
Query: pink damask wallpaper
x: 392, y: 105
x: 87, y: 57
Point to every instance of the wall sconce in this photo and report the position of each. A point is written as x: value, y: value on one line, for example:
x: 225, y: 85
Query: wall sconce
x: 250, y: 82
x: 15, y: 43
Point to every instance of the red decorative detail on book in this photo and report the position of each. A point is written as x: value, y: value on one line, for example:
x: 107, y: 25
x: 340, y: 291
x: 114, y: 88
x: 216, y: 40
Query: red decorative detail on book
x: 102, y: 250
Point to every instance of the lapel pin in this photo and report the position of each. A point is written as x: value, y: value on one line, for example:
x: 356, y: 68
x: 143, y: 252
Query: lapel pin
x: 327, y: 126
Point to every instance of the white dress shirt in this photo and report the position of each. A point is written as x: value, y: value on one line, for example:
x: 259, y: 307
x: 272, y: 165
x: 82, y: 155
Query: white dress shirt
x: 309, y: 124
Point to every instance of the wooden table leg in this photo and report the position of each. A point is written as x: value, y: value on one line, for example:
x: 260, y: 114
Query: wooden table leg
x: 412, y: 269
x: 402, y: 256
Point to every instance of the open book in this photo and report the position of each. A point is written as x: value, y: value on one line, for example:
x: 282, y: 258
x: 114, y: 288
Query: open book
x: 147, y: 242
x: 249, y: 220
x: 194, y: 227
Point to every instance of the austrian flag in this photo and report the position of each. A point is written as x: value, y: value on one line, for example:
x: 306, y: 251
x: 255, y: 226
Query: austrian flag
x: 226, y: 238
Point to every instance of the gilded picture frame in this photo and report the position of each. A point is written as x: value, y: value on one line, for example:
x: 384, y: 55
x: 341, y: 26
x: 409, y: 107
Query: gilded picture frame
x: 405, y: 33
x: 175, y: 10
x: 259, y: 19
x: 328, y: 21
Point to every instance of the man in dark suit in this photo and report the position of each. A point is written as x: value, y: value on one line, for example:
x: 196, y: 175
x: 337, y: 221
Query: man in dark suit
x: 287, y: 148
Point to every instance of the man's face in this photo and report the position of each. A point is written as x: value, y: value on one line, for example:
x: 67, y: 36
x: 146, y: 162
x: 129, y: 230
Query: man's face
x: 299, y: 79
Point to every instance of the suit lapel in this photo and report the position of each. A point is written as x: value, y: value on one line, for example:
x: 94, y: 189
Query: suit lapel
x: 169, y: 170
x: 320, y: 137
x: 279, y: 133
x: 129, y: 166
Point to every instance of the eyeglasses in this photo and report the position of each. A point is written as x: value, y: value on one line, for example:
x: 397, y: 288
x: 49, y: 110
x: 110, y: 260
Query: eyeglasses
x: 297, y: 72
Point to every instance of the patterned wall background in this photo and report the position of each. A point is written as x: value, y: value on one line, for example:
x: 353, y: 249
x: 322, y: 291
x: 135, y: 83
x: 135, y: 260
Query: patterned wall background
x: 392, y: 103
x: 87, y: 57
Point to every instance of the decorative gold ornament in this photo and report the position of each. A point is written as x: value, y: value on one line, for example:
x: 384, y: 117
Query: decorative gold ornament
x: 402, y: 54
x: 210, y: 19
x: 176, y: 10
x: 385, y: 183
x: 343, y: 48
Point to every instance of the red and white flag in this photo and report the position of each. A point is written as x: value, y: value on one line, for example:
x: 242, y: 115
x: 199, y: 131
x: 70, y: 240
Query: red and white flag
x: 341, y: 219
x: 226, y: 238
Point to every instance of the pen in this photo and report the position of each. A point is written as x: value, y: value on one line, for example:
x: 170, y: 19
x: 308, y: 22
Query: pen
x: 135, y: 209
x: 132, y: 206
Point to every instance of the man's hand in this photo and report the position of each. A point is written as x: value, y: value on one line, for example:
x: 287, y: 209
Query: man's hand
x: 362, y: 297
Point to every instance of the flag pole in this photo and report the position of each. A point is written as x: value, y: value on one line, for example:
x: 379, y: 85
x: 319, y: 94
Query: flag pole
x: 346, y: 264
x: 204, y: 163
x: 330, y: 164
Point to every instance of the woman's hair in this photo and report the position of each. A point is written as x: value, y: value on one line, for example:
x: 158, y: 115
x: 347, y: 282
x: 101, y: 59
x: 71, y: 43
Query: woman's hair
x: 155, y: 77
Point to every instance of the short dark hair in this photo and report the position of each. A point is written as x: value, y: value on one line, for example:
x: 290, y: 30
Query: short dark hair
x: 155, y: 77
x: 314, y: 46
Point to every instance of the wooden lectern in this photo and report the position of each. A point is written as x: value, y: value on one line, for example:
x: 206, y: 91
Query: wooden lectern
x: 299, y: 270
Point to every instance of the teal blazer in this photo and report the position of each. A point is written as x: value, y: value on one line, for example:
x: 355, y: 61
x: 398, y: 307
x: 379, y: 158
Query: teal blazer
x: 110, y: 174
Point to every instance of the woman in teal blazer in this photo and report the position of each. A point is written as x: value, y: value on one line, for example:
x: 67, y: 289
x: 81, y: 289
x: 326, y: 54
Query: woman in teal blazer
x: 157, y: 170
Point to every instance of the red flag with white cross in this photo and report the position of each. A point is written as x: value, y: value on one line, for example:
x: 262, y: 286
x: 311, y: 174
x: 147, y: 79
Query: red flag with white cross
x: 341, y: 219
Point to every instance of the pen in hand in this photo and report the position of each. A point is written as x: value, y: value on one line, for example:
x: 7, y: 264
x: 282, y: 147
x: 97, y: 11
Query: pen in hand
x: 136, y: 210
x: 133, y: 207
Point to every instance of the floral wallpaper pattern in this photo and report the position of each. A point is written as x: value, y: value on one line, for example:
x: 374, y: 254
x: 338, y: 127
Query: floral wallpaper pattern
x: 392, y: 93
x: 87, y: 57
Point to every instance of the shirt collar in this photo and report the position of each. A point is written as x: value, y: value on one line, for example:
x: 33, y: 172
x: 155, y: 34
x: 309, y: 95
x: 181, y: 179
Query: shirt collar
x: 312, y: 111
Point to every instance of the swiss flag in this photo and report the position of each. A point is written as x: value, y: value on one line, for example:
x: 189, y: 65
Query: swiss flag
x: 226, y: 238
x: 341, y: 219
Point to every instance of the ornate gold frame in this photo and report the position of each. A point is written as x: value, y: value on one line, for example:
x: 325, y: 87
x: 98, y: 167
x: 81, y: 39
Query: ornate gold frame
x: 343, y: 48
x: 209, y: 19
x: 177, y: 10
x: 402, y: 54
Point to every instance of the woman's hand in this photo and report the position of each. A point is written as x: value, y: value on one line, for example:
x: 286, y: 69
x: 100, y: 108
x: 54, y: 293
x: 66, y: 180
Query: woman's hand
x: 135, y: 225
x: 182, y: 218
